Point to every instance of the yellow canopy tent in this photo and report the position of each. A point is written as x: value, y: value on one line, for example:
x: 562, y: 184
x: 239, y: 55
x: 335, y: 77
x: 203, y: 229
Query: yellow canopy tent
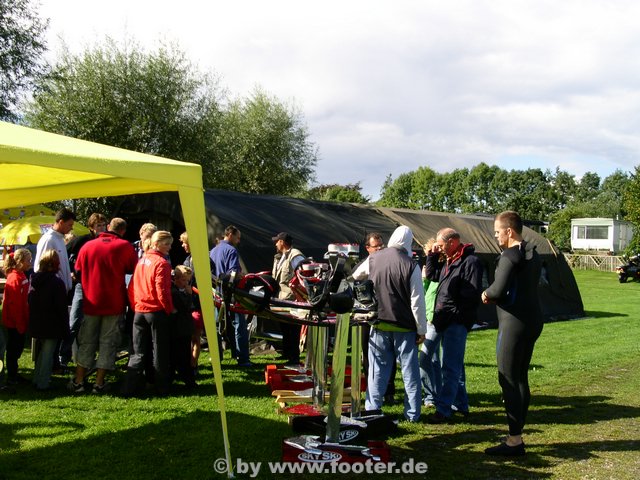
x: 38, y: 167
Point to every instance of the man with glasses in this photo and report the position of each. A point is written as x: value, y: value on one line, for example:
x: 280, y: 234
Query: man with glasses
x: 373, y: 244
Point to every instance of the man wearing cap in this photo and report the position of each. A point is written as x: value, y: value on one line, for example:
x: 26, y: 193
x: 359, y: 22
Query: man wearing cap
x: 226, y: 260
x: 285, y: 263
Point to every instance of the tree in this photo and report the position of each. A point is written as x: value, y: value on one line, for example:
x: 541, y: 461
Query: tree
x: 155, y: 103
x: 263, y: 147
x: 588, y: 187
x: 631, y: 204
x: 337, y: 193
x: 396, y: 193
x: 563, y: 188
x: 21, y: 46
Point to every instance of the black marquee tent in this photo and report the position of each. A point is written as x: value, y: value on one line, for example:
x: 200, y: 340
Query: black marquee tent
x: 315, y: 224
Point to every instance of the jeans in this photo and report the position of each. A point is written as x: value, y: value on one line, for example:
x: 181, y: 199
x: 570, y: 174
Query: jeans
x: 430, y: 365
x: 384, y: 348
x: 75, y: 320
x: 44, y: 362
x: 454, y: 392
x: 241, y: 350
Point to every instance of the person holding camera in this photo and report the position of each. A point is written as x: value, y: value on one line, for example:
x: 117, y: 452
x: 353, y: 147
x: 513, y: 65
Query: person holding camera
x: 459, y: 273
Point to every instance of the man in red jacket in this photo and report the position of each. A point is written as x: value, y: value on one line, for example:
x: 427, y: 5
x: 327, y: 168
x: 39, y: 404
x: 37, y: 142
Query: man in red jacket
x: 101, y: 266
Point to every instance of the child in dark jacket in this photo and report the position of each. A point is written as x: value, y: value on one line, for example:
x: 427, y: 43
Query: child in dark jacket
x: 48, y: 316
x: 182, y: 326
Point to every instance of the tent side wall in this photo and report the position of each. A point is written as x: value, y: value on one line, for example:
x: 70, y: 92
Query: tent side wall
x: 315, y: 224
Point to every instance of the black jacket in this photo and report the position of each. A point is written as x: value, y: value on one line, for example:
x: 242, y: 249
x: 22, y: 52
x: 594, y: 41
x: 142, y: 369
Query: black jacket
x: 48, y: 313
x: 181, y: 320
x: 459, y: 288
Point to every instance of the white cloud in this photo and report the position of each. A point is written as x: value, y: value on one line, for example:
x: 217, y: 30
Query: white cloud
x: 387, y: 87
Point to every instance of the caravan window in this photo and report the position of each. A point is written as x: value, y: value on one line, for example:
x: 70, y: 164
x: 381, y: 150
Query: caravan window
x: 593, y: 232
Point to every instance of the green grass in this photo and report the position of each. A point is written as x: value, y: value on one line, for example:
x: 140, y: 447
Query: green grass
x: 584, y: 421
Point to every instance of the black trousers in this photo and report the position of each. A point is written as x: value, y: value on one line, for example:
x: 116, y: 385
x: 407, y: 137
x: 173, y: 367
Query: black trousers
x: 514, y: 350
x: 181, y: 359
x: 154, y: 326
x: 291, y: 341
x: 15, y: 346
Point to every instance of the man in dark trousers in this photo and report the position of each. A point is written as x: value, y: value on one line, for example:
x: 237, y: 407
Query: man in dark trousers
x: 285, y: 263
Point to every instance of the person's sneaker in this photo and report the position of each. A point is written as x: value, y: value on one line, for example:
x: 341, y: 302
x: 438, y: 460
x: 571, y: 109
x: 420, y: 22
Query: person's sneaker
x: 428, y: 404
x: 100, y: 389
x: 74, y: 387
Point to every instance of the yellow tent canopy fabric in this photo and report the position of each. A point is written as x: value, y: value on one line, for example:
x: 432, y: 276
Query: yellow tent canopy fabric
x: 37, y: 166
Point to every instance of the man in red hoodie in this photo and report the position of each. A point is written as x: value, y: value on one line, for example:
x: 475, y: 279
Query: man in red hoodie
x: 101, y: 266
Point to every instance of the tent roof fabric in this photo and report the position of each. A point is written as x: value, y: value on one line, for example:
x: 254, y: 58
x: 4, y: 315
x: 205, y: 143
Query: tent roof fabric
x: 315, y: 224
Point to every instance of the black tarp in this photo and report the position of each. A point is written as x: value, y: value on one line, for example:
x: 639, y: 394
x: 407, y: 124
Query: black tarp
x: 314, y: 225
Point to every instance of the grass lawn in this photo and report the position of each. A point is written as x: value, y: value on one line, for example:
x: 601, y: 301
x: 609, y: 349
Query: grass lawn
x: 584, y: 421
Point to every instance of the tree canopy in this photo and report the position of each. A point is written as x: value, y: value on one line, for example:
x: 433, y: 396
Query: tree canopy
x: 337, y: 193
x: 159, y: 103
x: 263, y: 147
x: 554, y: 197
x: 21, y: 47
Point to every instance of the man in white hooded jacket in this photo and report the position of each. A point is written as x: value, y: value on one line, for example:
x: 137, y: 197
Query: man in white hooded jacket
x: 402, y: 322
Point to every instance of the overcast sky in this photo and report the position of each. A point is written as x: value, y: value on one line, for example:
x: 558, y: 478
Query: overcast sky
x: 386, y: 87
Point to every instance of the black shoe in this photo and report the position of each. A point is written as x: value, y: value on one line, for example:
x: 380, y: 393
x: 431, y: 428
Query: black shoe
x: 7, y: 389
x: 506, y: 451
x: 48, y: 388
x: 437, y: 418
x: 461, y: 413
x: 16, y: 379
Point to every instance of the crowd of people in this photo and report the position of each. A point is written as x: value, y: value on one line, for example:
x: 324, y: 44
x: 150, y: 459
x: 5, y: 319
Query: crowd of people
x: 126, y: 296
